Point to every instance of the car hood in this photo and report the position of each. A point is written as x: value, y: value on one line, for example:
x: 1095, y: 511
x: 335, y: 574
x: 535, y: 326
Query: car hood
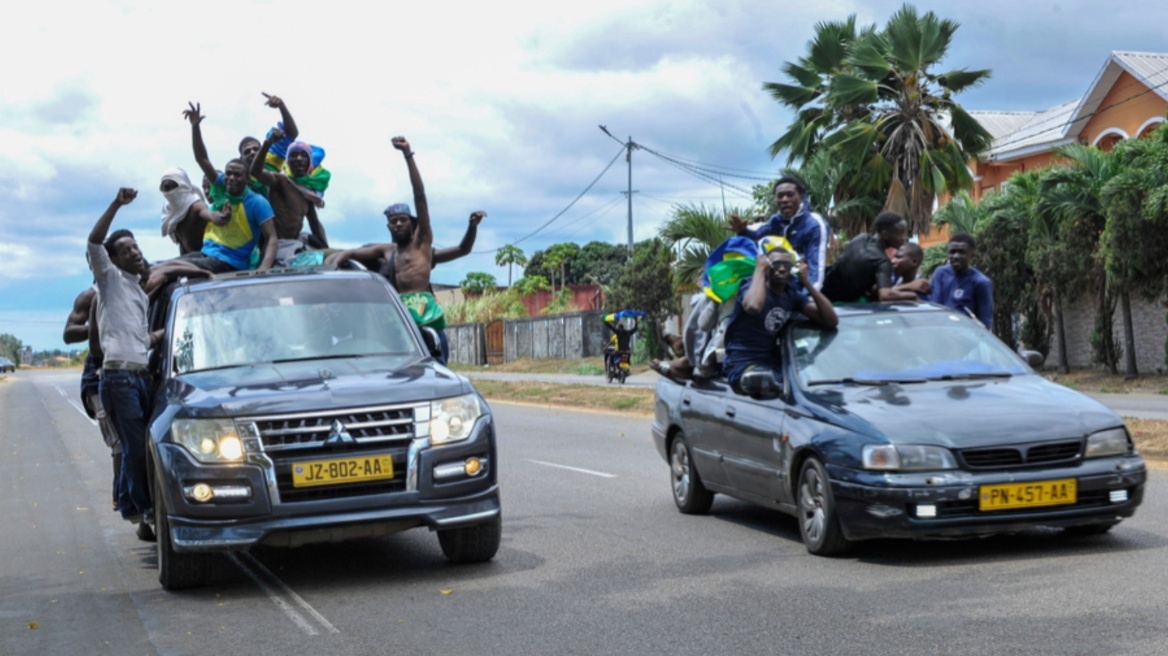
x: 309, y: 385
x: 964, y: 414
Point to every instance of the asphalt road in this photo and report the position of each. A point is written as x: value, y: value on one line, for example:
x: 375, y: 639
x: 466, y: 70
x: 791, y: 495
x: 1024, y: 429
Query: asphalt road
x: 595, y: 560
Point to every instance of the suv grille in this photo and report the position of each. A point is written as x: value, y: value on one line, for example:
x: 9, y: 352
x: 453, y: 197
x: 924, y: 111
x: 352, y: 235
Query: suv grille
x: 1024, y: 455
x: 288, y: 439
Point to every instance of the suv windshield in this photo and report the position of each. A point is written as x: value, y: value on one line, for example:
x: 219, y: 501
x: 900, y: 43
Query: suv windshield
x: 905, y: 347
x: 287, y: 320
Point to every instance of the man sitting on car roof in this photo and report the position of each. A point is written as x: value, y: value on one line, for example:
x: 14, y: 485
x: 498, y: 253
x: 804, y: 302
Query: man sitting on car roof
x: 764, y: 305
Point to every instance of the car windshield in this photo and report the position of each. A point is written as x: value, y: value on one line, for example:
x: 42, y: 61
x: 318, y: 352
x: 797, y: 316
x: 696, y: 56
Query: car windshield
x: 286, y: 321
x: 905, y: 347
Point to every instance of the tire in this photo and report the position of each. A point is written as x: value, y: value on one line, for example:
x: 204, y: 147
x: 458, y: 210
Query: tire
x: 819, y: 523
x: 1090, y: 529
x: 691, y: 497
x: 176, y: 571
x: 624, y: 373
x: 472, y: 544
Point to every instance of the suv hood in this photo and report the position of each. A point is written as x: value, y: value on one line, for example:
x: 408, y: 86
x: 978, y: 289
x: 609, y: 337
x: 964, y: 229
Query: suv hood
x: 964, y: 414
x: 308, y: 385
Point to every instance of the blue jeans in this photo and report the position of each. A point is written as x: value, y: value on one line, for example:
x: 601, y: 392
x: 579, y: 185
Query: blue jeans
x: 126, y: 397
x: 444, y: 344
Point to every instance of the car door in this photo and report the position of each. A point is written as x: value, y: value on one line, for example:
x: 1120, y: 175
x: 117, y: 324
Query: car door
x: 701, y: 401
x: 754, y: 448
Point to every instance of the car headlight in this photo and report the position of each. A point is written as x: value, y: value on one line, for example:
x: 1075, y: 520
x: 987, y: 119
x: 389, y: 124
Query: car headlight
x: 907, y: 457
x: 453, y: 419
x: 209, y: 440
x: 1111, y: 442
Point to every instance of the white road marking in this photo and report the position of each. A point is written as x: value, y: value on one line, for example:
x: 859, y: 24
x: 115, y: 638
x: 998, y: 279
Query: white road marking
x: 75, y: 405
x: 256, y: 571
x: 575, y: 469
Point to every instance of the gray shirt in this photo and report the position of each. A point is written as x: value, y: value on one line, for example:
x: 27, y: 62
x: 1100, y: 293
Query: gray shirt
x: 122, y: 321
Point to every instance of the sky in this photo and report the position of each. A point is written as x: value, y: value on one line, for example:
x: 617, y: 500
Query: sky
x: 500, y: 101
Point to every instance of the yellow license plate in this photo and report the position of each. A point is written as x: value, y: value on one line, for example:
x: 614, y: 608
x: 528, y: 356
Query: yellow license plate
x: 343, y: 470
x: 1028, y: 495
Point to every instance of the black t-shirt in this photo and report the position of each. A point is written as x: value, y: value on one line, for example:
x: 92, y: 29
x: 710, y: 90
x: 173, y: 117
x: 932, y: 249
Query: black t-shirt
x: 860, y: 270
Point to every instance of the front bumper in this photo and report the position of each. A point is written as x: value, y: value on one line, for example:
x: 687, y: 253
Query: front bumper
x: 884, y: 505
x: 415, y: 497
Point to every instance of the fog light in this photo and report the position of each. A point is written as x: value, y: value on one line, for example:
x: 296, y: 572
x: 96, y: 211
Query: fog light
x: 926, y: 511
x: 1118, y: 496
x: 204, y: 492
x: 201, y: 493
x: 473, y: 466
x: 449, y: 470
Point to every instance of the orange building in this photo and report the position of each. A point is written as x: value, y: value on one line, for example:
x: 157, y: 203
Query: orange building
x: 1128, y: 98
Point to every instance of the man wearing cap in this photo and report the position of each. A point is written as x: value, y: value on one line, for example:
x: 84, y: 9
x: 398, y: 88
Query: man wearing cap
x: 764, y: 304
x: 408, y: 260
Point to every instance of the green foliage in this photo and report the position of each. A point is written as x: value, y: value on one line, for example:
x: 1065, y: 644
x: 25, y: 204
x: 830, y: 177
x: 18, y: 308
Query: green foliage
x: 10, y: 347
x: 561, y: 302
x: 644, y: 284
x: 510, y: 255
x: 872, y: 97
x: 597, y: 263
x: 961, y: 214
x: 694, y: 231
x: 935, y: 256
x: 528, y: 285
x: 477, y: 282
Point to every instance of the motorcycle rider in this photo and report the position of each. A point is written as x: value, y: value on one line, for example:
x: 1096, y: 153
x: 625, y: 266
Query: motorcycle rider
x: 623, y: 337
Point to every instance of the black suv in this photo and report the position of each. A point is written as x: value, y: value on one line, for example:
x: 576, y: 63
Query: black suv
x: 305, y: 406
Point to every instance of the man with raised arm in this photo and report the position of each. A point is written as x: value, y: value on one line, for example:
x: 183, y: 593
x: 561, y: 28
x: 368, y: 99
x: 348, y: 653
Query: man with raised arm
x: 805, y: 230
x: 289, y: 203
x: 249, y: 146
x: 409, y: 259
x: 120, y: 272
x: 229, y: 241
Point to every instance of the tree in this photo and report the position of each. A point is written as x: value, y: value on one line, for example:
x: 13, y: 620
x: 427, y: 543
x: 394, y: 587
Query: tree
x: 695, y: 231
x: 1074, y: 191
x: 557, y: 259
x: 597, y: 263
x: 836, y: 193
x: 961, y: 214
x: 1001, y: 224
x: 528, y: 285
x: 871, y: 97
x: 11, y: 347
x: 644, y: 284
x: 477, y: 282
x: 509, y: 255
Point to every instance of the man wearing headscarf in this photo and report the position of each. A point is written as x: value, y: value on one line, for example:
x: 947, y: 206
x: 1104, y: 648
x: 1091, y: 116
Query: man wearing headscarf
x: 289, y: 202
x: 185, y: 215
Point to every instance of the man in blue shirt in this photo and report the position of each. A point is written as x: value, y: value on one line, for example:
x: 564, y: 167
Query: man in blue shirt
x: 765, y: 304
x: 807, y: 232
x: 960, y: 286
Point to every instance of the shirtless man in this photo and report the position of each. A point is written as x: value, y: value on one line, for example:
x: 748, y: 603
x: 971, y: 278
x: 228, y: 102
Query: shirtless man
x: 288, y: 201
x: 80, y: 326
x: 410, y: 257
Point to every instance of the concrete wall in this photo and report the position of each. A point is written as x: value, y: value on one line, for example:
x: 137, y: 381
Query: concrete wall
x: 1149, y: 327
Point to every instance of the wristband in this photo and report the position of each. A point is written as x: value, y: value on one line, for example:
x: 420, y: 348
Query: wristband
x: 409, y: 154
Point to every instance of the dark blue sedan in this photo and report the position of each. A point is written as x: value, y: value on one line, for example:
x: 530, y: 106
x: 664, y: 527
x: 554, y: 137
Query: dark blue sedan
x: 908, y: 421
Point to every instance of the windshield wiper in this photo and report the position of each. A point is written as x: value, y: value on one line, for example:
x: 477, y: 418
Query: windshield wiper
x: 866, y: 381
x: 334, y: 356
x: 974, y: 376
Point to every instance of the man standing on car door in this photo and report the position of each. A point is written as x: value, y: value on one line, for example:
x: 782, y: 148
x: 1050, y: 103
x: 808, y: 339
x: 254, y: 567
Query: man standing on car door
x: 120, y: 273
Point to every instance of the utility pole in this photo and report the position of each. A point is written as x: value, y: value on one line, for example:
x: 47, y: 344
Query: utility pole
x: 629, y: 145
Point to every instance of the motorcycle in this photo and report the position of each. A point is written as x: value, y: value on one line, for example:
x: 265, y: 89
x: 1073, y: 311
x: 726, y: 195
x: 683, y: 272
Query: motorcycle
x: 617, y: 367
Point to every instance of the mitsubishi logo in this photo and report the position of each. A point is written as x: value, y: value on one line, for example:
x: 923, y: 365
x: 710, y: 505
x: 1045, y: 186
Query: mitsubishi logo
x: 338, y: 435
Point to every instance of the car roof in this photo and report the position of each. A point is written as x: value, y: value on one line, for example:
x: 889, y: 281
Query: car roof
x: 908, y: 307
x: 248, y: 278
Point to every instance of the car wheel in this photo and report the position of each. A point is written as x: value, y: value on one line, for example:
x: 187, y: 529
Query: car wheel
x: 818, y: 522
x: 1090, y: 529
x: 623, y: 375
x: 691, y: 497
x: 176, y: 571
x: 472, y: 544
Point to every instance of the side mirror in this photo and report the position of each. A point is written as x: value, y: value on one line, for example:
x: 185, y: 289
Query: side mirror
x: 430, y: 337
x: 1034, y: 359
x: 760, y: 384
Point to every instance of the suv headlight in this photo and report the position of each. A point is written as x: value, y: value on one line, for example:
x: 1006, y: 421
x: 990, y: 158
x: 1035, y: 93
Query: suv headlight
x: 209, y: 440
x: 453, y: 419
x: 907, y: 457
x: 1110, y: 442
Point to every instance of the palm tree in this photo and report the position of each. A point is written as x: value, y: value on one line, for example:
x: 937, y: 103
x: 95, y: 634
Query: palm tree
x: 834, y: 193
x: 509, y: 255
x: 962, y: 213
x: 695, y: 230
x: 873, y: 99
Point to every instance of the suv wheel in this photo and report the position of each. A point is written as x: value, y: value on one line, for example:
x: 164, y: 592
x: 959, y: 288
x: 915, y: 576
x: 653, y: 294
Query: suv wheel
x: 176, y: 571
x: 472, y: 544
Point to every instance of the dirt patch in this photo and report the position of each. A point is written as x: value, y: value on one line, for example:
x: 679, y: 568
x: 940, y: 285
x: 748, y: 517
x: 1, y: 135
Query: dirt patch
x: 1090, y: 380
x: 581, y: 367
